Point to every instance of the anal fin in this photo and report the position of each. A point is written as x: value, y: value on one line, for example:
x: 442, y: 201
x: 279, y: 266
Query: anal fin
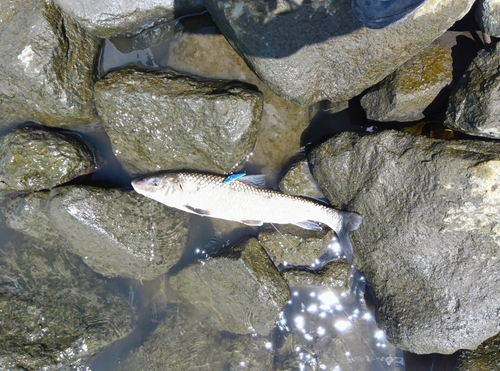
x: 253, y: 223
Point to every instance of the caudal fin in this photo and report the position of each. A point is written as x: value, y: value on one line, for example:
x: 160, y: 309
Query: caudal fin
x: 350, y: 222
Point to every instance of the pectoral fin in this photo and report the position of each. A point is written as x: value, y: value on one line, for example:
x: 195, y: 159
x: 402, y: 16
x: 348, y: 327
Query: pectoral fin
x: 310, y: 225
x: 197, y: 211
x: 253, y: 223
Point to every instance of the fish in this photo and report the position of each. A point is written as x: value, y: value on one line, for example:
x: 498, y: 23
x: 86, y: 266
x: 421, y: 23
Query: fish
x: 245, y: 200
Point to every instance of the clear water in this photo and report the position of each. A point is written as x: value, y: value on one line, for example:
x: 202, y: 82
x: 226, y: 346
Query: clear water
x: 343, y: 320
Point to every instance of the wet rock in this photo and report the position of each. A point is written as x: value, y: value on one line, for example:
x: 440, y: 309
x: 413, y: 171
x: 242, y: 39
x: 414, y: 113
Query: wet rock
x: 184, y: 340
x: 294, y: 246
x: 47, y: 66
x: 333, y: 274
x: 408, y: 91
x: 118, y: 233
x: 161, y: 121
x: 28, y: 214
x: 108, y: 18
x: 337, y: 58
x: 299, y: 181
x: 33, y: 158
x: 488, y: 17
x: 55, y: 312
x: 473, y: 107
x: 429, y: 241
x: 485, y: 358
x: 241, y: 294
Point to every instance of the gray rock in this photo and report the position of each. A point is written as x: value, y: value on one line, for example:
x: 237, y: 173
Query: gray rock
x: 47, y: 66
x: 475, y: 105
x: 333, y: 274
x: 161, y: 121
x: 488, y: 17
x: 242, y: 294
x: 185, y: 340
x: 312, y: 51
x: 108, y: 18
x: 118, y: 233
x: 299, y: 181
x: 485, y: 358
x: 55, y: 312
x: 429, y: 241
x: 293, y: 246
x: 28, y: 214
x: 408, y: 91
x: 33, y: 159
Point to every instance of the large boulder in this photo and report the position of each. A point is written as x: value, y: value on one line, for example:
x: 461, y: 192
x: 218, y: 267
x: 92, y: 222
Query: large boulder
x: 474, y: 106
x: 108, y: 18
x: 161, y: 120
x: 47, y: 67
x: 318, y: 50
x: 33, y: 158
x: 488, y: 17
x: 429, y: 241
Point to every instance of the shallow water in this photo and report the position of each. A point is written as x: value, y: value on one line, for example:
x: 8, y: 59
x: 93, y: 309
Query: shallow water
x: 341, y: 321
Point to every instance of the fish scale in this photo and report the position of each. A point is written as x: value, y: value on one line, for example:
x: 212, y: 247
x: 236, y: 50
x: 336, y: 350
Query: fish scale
x: 238, y: 200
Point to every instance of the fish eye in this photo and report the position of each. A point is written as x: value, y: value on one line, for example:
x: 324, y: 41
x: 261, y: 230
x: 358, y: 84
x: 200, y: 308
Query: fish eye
x: 155, y: 182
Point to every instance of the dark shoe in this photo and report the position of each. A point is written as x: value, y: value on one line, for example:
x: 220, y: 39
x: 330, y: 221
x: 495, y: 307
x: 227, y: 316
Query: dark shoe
x: 381, y: 13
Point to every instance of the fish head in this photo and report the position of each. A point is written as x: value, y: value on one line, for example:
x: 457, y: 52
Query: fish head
x: 159, y: 186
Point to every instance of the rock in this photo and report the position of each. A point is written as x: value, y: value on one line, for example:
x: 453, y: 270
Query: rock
x: 56, y: 313
x: 33, y: 158
x: 299, y: 181
x: 293, y: 246
x: 332, y: 57
x: 47, y: 69
x: 118, y: 233
x: 408, y: 91
x: 159, y: 120
x: 333, y: 274
x: 184, y: 340
x: 429, y: 241
x: 473, y: 107
x: 242, y: 294
x: 488, y: 17
x: 109, y: 18
x: 485, y: 358
x: 28, y: 214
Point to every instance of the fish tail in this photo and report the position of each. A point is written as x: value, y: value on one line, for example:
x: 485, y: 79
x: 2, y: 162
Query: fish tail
x: 349, y: 221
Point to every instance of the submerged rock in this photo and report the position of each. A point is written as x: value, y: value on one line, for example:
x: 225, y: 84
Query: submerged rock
x: 299, y: 181
x: 107, y: 18
x: 160, y: 120
x: 332, y: 274
x: 118, y: 233
x: 47, y: 67
x: 55, y: 312
x: 242, y: 294
x: 33, y: 158
x: 408, y: 91
x: 329, y: 56
x: 185, y: 340
x: 430, y: 238
x: 474, y: 106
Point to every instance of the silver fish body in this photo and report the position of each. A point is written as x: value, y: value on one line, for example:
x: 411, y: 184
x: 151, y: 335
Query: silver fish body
x: 237, y: 200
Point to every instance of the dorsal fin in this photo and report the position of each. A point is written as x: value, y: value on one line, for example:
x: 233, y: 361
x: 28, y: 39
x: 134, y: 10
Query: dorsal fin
x: 258, y: 180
